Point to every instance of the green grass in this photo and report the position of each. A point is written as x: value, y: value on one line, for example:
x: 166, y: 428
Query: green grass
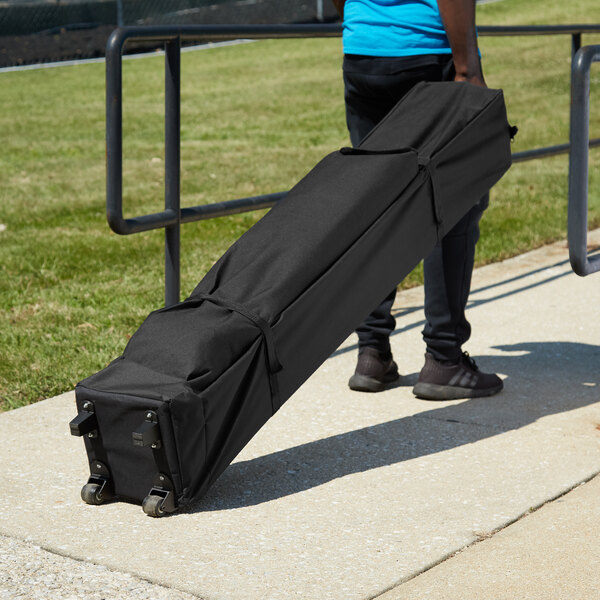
x: 255, y: 118
x: 529, y: 205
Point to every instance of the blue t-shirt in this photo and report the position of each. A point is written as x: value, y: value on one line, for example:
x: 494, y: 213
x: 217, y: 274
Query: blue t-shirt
x: 394, y: 28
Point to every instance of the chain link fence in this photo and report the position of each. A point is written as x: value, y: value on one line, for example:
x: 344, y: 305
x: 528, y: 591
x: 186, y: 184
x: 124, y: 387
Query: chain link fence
x: 24, y: 17
x: 34, y: 31
x: 171, y: 12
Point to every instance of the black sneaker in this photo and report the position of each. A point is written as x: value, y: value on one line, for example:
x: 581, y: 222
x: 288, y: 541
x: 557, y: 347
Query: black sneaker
x: 438, y: 381
x: 373, y: 371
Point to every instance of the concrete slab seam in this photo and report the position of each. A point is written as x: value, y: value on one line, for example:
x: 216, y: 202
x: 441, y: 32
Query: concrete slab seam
x: 486, y: 536
x: 132, y: 574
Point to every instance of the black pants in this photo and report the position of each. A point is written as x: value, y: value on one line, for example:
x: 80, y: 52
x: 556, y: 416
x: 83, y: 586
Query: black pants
x: 372, y: 87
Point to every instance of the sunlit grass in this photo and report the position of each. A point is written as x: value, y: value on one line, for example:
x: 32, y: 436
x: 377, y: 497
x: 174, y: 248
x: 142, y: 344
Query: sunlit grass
x: 255, y: 118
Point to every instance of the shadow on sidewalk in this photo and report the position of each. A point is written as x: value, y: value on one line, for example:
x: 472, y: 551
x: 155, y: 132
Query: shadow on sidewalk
x: 475, y: 302
x: 544, y: 378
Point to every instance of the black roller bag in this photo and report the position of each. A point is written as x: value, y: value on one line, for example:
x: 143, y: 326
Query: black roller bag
x: 199, y: 379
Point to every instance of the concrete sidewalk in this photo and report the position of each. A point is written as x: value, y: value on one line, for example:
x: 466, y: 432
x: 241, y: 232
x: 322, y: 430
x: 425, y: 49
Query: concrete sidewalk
x: 350, y: 496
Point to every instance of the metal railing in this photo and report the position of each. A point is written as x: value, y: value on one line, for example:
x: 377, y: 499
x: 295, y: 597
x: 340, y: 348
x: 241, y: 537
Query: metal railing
x: 581, y: 262
x: 173, y: 216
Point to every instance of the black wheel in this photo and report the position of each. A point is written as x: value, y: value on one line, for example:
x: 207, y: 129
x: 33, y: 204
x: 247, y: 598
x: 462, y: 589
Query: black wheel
x: 153, y: 505
x: 91, y: 494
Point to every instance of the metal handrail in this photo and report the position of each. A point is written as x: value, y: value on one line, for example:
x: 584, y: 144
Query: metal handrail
x: 581, y: 262
x: 512, y: 30
x: 173, y: 215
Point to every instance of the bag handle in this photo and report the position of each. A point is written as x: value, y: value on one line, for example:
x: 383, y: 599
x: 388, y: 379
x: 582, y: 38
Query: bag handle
x: 424, y: 162
x: 359, y: 150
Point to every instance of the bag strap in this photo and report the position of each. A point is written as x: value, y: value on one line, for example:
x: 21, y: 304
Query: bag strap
x: 423, y: 161
x: 438, y: 212
x: 267, y: 333
x: 359, y: 151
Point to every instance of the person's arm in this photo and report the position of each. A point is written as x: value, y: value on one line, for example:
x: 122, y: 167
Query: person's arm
x: 458, y: 17
x: 339, y: 4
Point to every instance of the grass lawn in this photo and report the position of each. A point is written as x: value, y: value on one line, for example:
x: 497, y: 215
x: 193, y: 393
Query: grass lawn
x: 255, y: 118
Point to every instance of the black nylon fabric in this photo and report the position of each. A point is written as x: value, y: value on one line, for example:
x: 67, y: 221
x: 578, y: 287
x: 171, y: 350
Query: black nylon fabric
x: 296, y: 239
x: 224, y: 360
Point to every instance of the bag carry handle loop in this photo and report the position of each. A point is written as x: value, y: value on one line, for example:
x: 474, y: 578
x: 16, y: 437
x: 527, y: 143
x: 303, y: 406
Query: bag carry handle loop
x: 267, y: 333
x: 423, y: 161
x: 363, y: 151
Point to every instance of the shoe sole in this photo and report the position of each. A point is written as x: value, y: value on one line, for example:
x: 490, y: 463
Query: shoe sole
x: 432, y: 391
x: 362, y: 383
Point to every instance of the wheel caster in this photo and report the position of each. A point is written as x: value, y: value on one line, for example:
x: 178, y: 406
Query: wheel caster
x: 99, y: 488
x: 153, y: 505
x: 91, y: 493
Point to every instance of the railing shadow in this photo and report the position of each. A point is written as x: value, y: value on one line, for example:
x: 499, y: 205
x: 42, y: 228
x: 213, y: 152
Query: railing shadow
x: 546, y: 378
x: 475, y: 302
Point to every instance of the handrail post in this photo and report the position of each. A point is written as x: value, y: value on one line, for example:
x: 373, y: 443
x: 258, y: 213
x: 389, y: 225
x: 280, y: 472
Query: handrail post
x: 578, y: 161
x: 172, y: 168
x: 114, y: 133
x: 575, y: 44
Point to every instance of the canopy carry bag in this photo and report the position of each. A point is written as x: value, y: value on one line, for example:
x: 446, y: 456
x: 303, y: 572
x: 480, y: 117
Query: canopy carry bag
x: 200, y: 378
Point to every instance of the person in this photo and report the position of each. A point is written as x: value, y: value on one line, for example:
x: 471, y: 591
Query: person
x: 389, y: 46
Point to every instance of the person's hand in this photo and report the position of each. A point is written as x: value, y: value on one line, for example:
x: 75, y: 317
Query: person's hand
x: 475, y: 79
